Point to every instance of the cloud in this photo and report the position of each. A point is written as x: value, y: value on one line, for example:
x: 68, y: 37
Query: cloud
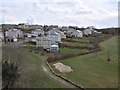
x: 61, y: 12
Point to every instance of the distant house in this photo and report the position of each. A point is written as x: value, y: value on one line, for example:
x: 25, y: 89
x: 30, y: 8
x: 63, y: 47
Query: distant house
x: 54, y: 36
x: 96, y: 32
x: 64, y: 29
x: 77, y: 33
x: 69, y: 32
x: 87, y: 32
x: 43, y: 42
x: 54, y: 48
x: 36, y: 33
x: 62, y: 35
x: 14, y: 33
x: 11, y: 39
x: 27, y: 35
x: 23, y: 25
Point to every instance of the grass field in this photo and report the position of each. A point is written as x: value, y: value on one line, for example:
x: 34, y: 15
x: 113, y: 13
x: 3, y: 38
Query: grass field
x: 93, y: 70
x: 78, y: 44
x: 33, y: 75
x: 83, y: 39
x: 71, y: 50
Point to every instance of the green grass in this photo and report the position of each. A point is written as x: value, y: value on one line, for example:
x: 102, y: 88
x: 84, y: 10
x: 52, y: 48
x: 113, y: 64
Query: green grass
x: 71, y: 50
x: 83, y: 39
x: 93, y: 70
x: 78, y: 44
x: 29, y: 46
x: 33, y: 76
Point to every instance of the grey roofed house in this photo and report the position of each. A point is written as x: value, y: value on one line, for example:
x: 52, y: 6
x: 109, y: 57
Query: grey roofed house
x: 14, y: 33
x: 54, y: 36
x: 43, y: 42
x: 37, y: 32
x: 87, y: 31
x: 77, y: 33
x: 62, y: 35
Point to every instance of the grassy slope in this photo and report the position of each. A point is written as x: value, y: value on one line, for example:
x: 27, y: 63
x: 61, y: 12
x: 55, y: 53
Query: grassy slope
x: 78, y: 44
x: 70, y: 50
x: 93, y: 70
x: 33, y: 76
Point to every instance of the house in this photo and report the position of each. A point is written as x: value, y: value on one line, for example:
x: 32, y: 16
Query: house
x: 87, y: 32
x: 43, y: 42
x: 11, y: 39
x: 64, y: 29
x: 23, y: 25
x: 95, y: 33
x: 27, y: 35
x: 70, y: 30
x: 14, y: 33
x: 54, y: 36
x: 77, y: 33
x: 54, y: 48
x: 36, y: 33
x: 62, y: 35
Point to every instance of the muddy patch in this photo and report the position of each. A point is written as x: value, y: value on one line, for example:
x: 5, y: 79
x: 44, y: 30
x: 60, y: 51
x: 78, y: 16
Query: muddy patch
x: 62, y: 68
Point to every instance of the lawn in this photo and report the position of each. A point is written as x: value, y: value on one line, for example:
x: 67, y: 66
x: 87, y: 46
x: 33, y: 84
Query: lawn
x: 29, y: 46
x: 33, y: 75
x: 71, y: 50
x: 93, y: 70
x: 78, y: 44
x: 83, y: 39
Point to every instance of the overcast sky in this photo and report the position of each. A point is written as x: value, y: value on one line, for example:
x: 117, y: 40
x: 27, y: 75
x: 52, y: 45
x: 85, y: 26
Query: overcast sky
x: 82, y: 13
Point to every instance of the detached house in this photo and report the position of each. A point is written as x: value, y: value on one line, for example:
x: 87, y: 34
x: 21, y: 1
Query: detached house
x: 62, y: 35
x: 36, y: 33
x: 54, y: 36
x: 43, y: 42
x: 95, y: 33
x: 77, y: 33
x: 14, y: 33
x: 87, y: 32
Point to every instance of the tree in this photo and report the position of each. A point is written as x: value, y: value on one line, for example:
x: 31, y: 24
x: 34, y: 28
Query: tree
x: 9, y: 74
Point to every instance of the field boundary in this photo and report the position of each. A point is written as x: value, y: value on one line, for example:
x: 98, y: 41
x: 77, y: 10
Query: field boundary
x: 66, y: 56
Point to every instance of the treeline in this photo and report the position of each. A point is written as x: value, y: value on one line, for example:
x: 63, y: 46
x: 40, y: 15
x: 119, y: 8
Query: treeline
x: 113, y: 31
